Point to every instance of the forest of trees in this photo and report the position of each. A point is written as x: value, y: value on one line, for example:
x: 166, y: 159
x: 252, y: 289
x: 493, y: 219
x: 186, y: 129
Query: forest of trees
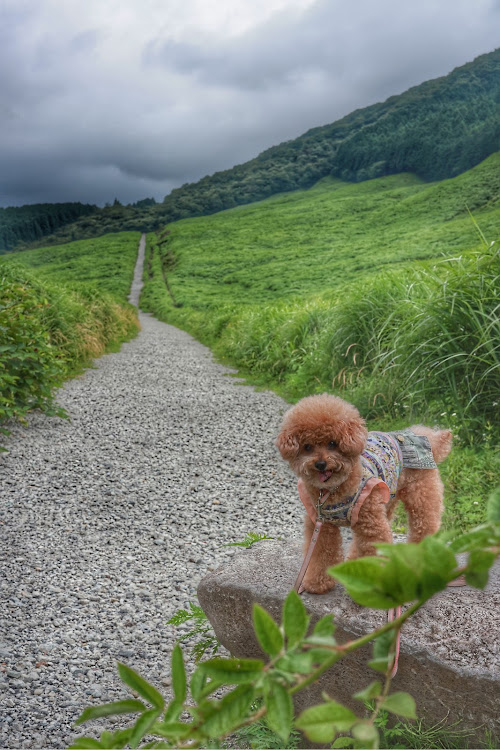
x: 27, y: 224
x: 436, y: 130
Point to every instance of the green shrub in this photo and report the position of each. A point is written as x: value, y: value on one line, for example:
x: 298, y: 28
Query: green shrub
x: 29, y: 366
x: 47, y: 334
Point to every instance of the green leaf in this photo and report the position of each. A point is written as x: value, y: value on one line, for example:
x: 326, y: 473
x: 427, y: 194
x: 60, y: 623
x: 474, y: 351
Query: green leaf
x: 493, y: 507
x: 171, y: 730
x: 279, y: 711
x: 141, y: 686
x: 198, y: 682
x: 297, y: 663
x: 367, y: 733
x: 110, y: 709
x: 363, y: 581
x: 118, y: 739
x: 368, y: 693
x: 401, y: 704
x: 174, y: 710
x: 343, y: 742
x: 295, y: 619
x: 480, y: 537
x: 379, y: 665
x: 178, y: 674
x: 321, y: 723
x: 323, y: 631
x: 231, y: 711
x: 381, y: 651
x: 438, y: 564
x: 437, y: 555
x: 325, y: 627
x: 320, y: 655
x: 267, y: 632
x: 321, y: 640
x: 142, y: 727
x: 478, y: 567
x: 233, y: 671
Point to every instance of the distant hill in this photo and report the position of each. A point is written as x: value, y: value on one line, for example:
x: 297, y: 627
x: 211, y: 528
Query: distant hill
x: 436, y: 130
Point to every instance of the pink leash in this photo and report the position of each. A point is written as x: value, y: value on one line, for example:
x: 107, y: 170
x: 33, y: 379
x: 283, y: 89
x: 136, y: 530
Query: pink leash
x: 307, y: 559
x: 392, y: 614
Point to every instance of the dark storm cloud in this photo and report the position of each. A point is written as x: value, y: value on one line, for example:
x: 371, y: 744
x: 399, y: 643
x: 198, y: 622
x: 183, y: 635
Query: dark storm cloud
x: 90, y: 113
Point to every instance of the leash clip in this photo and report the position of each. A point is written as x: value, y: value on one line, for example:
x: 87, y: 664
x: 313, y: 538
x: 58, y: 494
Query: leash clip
x: 319, y: 506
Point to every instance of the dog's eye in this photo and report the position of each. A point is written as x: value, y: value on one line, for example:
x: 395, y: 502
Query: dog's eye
x: 332, y: 444
x: 308, y: 447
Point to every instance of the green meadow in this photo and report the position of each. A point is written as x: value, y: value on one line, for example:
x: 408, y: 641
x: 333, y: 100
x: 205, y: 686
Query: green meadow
x: 384, y: 292
x: 308, y: 242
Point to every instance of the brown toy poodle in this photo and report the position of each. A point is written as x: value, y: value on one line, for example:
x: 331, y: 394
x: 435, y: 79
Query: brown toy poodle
x: 352, y: 477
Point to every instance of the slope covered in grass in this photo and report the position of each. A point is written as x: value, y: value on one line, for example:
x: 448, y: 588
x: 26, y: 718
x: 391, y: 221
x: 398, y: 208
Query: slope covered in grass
x: 307, y: 242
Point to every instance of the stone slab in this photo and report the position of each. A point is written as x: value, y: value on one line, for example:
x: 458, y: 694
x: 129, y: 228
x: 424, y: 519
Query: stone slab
x: 450, y: 649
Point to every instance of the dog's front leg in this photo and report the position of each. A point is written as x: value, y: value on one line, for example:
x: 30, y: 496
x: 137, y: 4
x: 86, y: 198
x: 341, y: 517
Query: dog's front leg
x: 372, y: 526
x: 328, y: 551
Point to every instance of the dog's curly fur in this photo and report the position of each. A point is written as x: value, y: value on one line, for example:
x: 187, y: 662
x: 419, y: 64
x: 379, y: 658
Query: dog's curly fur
x: 324, y: 436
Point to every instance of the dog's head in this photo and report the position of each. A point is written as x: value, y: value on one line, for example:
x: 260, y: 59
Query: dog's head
x: 322, y: 438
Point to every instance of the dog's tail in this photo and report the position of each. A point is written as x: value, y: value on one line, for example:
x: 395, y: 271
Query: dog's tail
x: 440, y: 441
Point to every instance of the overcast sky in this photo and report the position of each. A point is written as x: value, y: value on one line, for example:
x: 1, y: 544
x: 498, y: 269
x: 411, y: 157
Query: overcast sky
x: 130, y: 98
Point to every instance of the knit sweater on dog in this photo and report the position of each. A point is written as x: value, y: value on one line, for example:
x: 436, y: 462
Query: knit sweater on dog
x: 385, y: 455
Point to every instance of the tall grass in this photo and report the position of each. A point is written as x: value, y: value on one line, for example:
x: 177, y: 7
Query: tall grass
x: 413, y: 343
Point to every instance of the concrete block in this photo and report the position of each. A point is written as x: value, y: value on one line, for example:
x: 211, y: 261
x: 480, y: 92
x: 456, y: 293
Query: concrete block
x: 450, y: 649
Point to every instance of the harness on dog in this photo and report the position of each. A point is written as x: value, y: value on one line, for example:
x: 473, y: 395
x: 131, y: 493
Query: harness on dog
x: 381, y: 464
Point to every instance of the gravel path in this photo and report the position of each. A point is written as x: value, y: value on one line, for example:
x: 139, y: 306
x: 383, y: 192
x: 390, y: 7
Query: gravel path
x: 108, y: 522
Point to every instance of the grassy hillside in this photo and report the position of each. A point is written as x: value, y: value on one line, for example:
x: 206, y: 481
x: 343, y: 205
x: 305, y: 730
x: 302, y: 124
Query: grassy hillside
x: 61, y: 307
x: 314, y: 241
x: 385, y: 293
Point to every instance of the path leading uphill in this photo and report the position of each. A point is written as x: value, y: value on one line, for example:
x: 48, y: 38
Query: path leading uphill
x: 108, y: 522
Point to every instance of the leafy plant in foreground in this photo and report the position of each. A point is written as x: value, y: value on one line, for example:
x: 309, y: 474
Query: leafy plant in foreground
x: 253, y: 690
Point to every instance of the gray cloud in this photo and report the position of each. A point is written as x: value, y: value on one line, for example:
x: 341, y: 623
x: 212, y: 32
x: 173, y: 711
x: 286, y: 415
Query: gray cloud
x: 91, y: 113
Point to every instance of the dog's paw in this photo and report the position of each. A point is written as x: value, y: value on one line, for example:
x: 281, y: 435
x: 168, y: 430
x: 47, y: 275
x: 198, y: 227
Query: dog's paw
x: 318, y: 585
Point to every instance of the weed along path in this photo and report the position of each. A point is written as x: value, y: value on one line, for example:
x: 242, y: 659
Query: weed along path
x: 109, y: 521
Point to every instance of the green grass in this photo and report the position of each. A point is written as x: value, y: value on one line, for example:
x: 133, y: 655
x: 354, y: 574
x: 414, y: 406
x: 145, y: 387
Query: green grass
x: 419, y: 735
x: 308, y: 242
x: 105, y: 264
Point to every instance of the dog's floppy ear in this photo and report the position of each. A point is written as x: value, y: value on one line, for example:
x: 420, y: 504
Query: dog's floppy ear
x: 352, y: 437
x: 287, y: 444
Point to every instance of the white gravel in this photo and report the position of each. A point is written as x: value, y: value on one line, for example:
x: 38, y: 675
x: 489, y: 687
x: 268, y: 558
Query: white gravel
x: 108, y: 522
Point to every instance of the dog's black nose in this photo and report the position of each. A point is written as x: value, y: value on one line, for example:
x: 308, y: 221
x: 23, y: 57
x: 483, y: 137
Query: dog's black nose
x: 320, y: 465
